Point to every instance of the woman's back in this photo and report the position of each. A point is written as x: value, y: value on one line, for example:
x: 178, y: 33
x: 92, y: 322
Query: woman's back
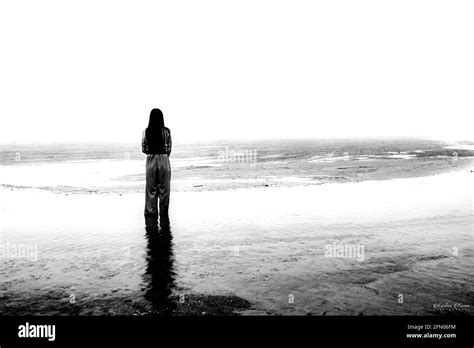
x: 156, y: 143
x: 156, y: 139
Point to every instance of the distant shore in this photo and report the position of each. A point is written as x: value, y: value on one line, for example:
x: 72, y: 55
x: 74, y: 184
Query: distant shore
x: 283, y: 175
x: 119, y: 169
x: 230, y: 177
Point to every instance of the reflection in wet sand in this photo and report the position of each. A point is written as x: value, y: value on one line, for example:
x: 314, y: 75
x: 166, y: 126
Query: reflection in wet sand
x: 159, y: 277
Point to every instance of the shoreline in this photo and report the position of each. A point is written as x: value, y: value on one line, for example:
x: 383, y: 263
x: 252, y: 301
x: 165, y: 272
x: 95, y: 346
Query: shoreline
x: 264, y: 176
x: 120, y: 169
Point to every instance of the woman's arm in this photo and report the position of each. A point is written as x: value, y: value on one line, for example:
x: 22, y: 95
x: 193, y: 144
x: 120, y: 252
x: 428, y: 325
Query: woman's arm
x: 168, y: 142
x: 144, y: 143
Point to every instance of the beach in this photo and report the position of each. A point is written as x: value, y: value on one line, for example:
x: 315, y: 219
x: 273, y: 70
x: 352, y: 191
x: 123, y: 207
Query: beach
x: 255, y: 230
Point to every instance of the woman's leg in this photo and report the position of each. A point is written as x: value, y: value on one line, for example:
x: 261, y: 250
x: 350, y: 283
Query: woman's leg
x: 164, y: 174
x: 151, y: 190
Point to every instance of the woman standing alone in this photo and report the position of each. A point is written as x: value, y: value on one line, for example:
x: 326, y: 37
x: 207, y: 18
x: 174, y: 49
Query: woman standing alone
x: 156, y: 143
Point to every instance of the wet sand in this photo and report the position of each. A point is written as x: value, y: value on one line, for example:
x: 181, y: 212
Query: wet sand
x: 244, y: 249
x: 262, y: 246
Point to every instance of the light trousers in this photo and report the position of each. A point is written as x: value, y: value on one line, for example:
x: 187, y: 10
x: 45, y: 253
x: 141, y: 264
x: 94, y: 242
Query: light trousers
x: 158, y: 177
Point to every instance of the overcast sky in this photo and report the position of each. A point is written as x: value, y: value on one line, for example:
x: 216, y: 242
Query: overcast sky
x: 92, y: 70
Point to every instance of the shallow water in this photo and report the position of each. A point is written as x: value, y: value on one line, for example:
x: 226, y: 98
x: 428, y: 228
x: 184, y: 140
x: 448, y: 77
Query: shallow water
x: 265, y: 245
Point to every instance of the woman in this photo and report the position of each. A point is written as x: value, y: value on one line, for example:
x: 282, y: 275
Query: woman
x: 156, y: 143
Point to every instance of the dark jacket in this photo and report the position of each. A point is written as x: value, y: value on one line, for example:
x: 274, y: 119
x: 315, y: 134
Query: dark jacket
x: 155, y: 145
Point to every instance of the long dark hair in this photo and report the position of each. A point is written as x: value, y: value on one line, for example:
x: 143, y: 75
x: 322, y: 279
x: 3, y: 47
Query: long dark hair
x: 156, y: 123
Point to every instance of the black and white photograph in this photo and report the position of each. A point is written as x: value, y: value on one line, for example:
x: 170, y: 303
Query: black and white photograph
x: 255, y: 159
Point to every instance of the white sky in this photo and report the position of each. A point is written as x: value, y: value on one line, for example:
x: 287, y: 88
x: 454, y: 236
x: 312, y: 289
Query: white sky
x: 92, y: 70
